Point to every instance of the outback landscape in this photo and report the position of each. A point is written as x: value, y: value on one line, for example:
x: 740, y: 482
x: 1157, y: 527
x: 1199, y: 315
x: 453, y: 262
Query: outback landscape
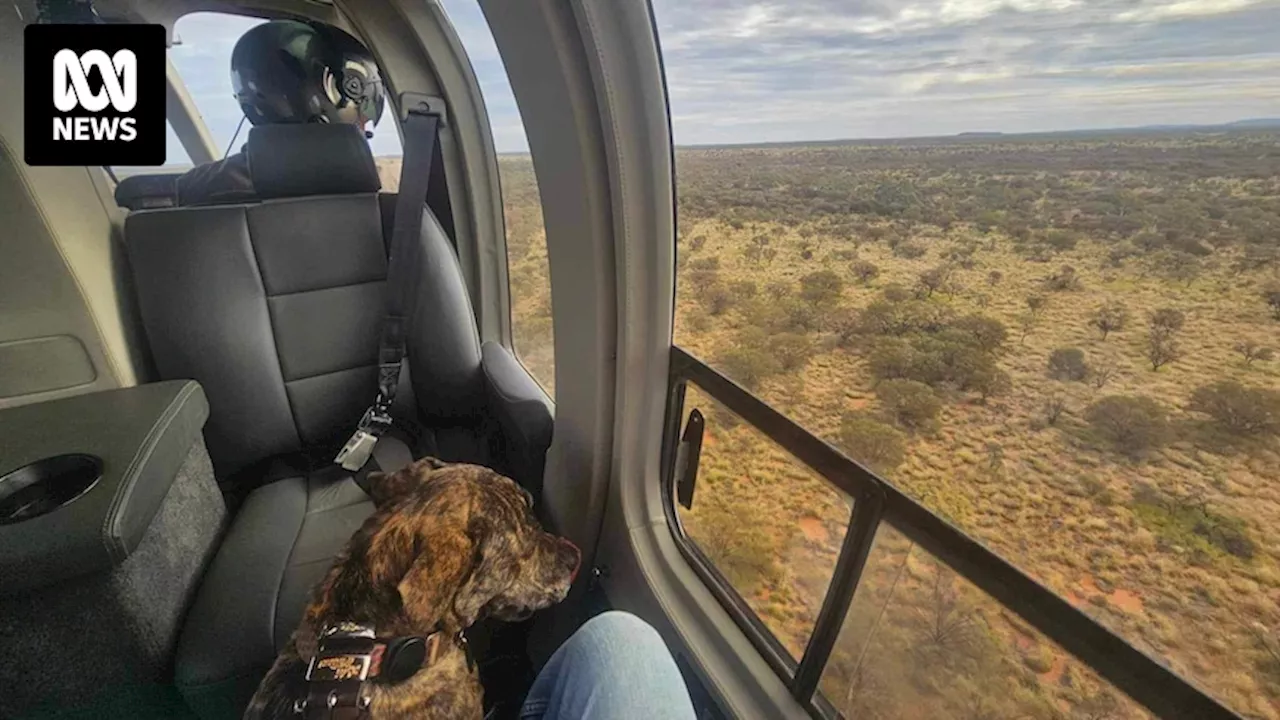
x: 1063, y: 344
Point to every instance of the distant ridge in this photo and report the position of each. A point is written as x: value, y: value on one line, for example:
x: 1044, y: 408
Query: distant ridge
x: 1237, y: 125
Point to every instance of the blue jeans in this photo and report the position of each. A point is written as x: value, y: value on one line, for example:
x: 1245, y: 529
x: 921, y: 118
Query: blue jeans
x: 614, y: 666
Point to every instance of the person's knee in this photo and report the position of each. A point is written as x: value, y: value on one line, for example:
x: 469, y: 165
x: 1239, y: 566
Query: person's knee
x: 619, y: 636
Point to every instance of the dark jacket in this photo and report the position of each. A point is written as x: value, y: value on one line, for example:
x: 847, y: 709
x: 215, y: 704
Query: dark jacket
x: 222, y: 181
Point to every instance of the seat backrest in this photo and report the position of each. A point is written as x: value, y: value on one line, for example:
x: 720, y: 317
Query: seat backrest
x: 275, y: 306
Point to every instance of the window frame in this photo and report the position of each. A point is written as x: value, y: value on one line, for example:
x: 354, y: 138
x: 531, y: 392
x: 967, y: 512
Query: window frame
x: 1132, y: 671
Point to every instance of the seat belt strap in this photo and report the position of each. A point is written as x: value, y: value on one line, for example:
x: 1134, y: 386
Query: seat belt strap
x: 421, y: 136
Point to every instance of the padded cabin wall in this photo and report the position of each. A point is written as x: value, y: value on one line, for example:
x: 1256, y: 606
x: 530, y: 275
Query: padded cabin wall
x: 66, y: 324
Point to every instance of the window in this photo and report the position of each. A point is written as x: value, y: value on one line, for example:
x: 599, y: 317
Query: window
x: 201, y: 52
x: 527, y: 266
x: 917, y: 233
x: 779, y: 563
x: 176, y: 158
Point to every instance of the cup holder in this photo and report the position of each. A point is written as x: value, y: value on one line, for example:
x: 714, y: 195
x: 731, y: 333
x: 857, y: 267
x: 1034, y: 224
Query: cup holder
x: 46, y: 485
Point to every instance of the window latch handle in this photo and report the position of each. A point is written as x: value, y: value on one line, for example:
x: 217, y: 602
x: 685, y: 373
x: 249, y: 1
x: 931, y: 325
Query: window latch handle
x: 688, y: 455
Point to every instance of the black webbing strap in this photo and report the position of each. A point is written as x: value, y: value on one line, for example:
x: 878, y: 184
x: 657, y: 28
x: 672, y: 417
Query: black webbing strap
x: 420, y: 140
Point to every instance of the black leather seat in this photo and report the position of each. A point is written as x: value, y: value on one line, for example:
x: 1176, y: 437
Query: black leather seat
x: 275, y: 307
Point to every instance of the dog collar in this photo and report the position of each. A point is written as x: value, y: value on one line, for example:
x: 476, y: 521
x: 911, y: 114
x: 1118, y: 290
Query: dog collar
x: 350, y: 657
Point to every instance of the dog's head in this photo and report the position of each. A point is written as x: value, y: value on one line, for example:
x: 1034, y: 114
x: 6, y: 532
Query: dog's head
x: 457, y: 542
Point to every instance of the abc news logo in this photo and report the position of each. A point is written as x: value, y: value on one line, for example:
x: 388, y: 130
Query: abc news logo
x: 95, y: 94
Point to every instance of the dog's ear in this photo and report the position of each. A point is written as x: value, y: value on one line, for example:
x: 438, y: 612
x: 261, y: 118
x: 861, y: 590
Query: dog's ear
x: 473, y: 566
x: 386, y: 488
x: 444, y: 562
x: 495, y: 568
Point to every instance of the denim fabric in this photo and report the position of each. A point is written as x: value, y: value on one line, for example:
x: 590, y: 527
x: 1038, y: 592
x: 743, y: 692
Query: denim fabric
x: 615, y: 666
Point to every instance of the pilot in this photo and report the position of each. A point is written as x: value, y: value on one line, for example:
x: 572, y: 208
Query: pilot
x: 285, y: 71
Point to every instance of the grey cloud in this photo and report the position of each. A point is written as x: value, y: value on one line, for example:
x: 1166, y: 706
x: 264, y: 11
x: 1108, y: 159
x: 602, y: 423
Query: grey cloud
x: 742, y: 71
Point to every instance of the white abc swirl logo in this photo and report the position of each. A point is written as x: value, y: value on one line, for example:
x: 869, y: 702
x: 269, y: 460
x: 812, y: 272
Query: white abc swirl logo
x: 71, y: 80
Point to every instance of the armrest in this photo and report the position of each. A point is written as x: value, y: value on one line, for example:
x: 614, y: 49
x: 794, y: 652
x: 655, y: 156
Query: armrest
x: 524, y: 414
x: 142, y: 435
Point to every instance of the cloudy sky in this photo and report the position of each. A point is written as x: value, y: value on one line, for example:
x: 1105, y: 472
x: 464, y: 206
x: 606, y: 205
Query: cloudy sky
x: 746, y: 71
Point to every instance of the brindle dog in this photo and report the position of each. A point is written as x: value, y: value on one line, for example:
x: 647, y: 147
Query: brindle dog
x: 446, y: 545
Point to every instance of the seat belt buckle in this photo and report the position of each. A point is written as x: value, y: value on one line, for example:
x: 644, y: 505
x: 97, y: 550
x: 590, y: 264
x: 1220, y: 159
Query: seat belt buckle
x: 357, y: 451
x: 359, y: 447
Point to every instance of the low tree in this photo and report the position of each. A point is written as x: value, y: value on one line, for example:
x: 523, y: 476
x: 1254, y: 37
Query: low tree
x: 1162, y: 347
x: 865, y: 271
x: 1026, y: 323
x: 791, y: 350
x: 1064, y: 279
x: 989, y: 381
x: 1110, y: 317
x: 994, y: 277
x: 1239, y: 409
x: 743, y: 290
x: 1054, y: 406
x: 748, y: 361
x: 1061, y: 240
x: 1250, y: 351
x: 930, y: 281
x: 702, y: 271
x: 986, y: 333
x: 1036, y: 303
x: 878, y: 446
x: 910, y: 403
x: 1068, y: 364
x: 1168, y: 319
x: 1131, y: 423
x: 1100, y: 375
x: 716, y: 299
x: 1271, y: 296
x: 909, y: 250
x: 821, y: 287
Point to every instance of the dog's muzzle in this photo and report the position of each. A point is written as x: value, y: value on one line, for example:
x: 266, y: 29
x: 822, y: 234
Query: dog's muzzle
x: 350, y: 658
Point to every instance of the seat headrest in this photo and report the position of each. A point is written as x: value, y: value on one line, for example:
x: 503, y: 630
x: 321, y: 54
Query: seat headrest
x: 148, y: 191
x: 312, y: 159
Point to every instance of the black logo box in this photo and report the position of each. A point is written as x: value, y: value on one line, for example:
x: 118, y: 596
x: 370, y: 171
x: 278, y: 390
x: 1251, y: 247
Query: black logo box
x: 41, y: 43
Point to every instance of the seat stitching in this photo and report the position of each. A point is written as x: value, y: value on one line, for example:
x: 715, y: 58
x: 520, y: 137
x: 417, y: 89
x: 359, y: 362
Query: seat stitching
x: 271, y: 325
x: 275, y: 600
x: 330, y: 372
x: 373, y: 281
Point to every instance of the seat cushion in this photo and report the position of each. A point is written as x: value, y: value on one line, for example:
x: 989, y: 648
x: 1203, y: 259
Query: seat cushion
x: 281, y: 543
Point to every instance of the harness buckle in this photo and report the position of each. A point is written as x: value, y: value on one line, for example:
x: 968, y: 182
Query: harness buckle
x: 359, y: 447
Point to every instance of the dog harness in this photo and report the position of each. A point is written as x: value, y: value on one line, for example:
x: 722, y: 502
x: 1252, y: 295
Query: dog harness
x: 350, y: 658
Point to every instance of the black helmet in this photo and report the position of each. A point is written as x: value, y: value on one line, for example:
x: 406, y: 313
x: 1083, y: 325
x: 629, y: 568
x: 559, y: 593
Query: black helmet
x: 284, y: 71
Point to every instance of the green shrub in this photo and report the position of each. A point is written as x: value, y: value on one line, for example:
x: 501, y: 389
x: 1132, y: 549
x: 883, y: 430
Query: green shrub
x: 865, y: 271
x: 701, y: 272
x: 1239, y: 409
x: 1168, y: 319
x: 1192, y: 524
x: 930, y: 281
x: 749, y: 361
x: 1271, y: 296
x: 821, y: 287
x: 1110, y: 318
x: 1064, y: 279
x: 909, y: 402
x: 1061, y: 240
x: 743, y: 290
x: 987, y: 333
x: 716, y: 299
x: 732, y: 535
x: 1068, y: 364
x: 909, y: 250
x: 874, y: 444
x: 1130, y: 423
x: 791, y: 350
